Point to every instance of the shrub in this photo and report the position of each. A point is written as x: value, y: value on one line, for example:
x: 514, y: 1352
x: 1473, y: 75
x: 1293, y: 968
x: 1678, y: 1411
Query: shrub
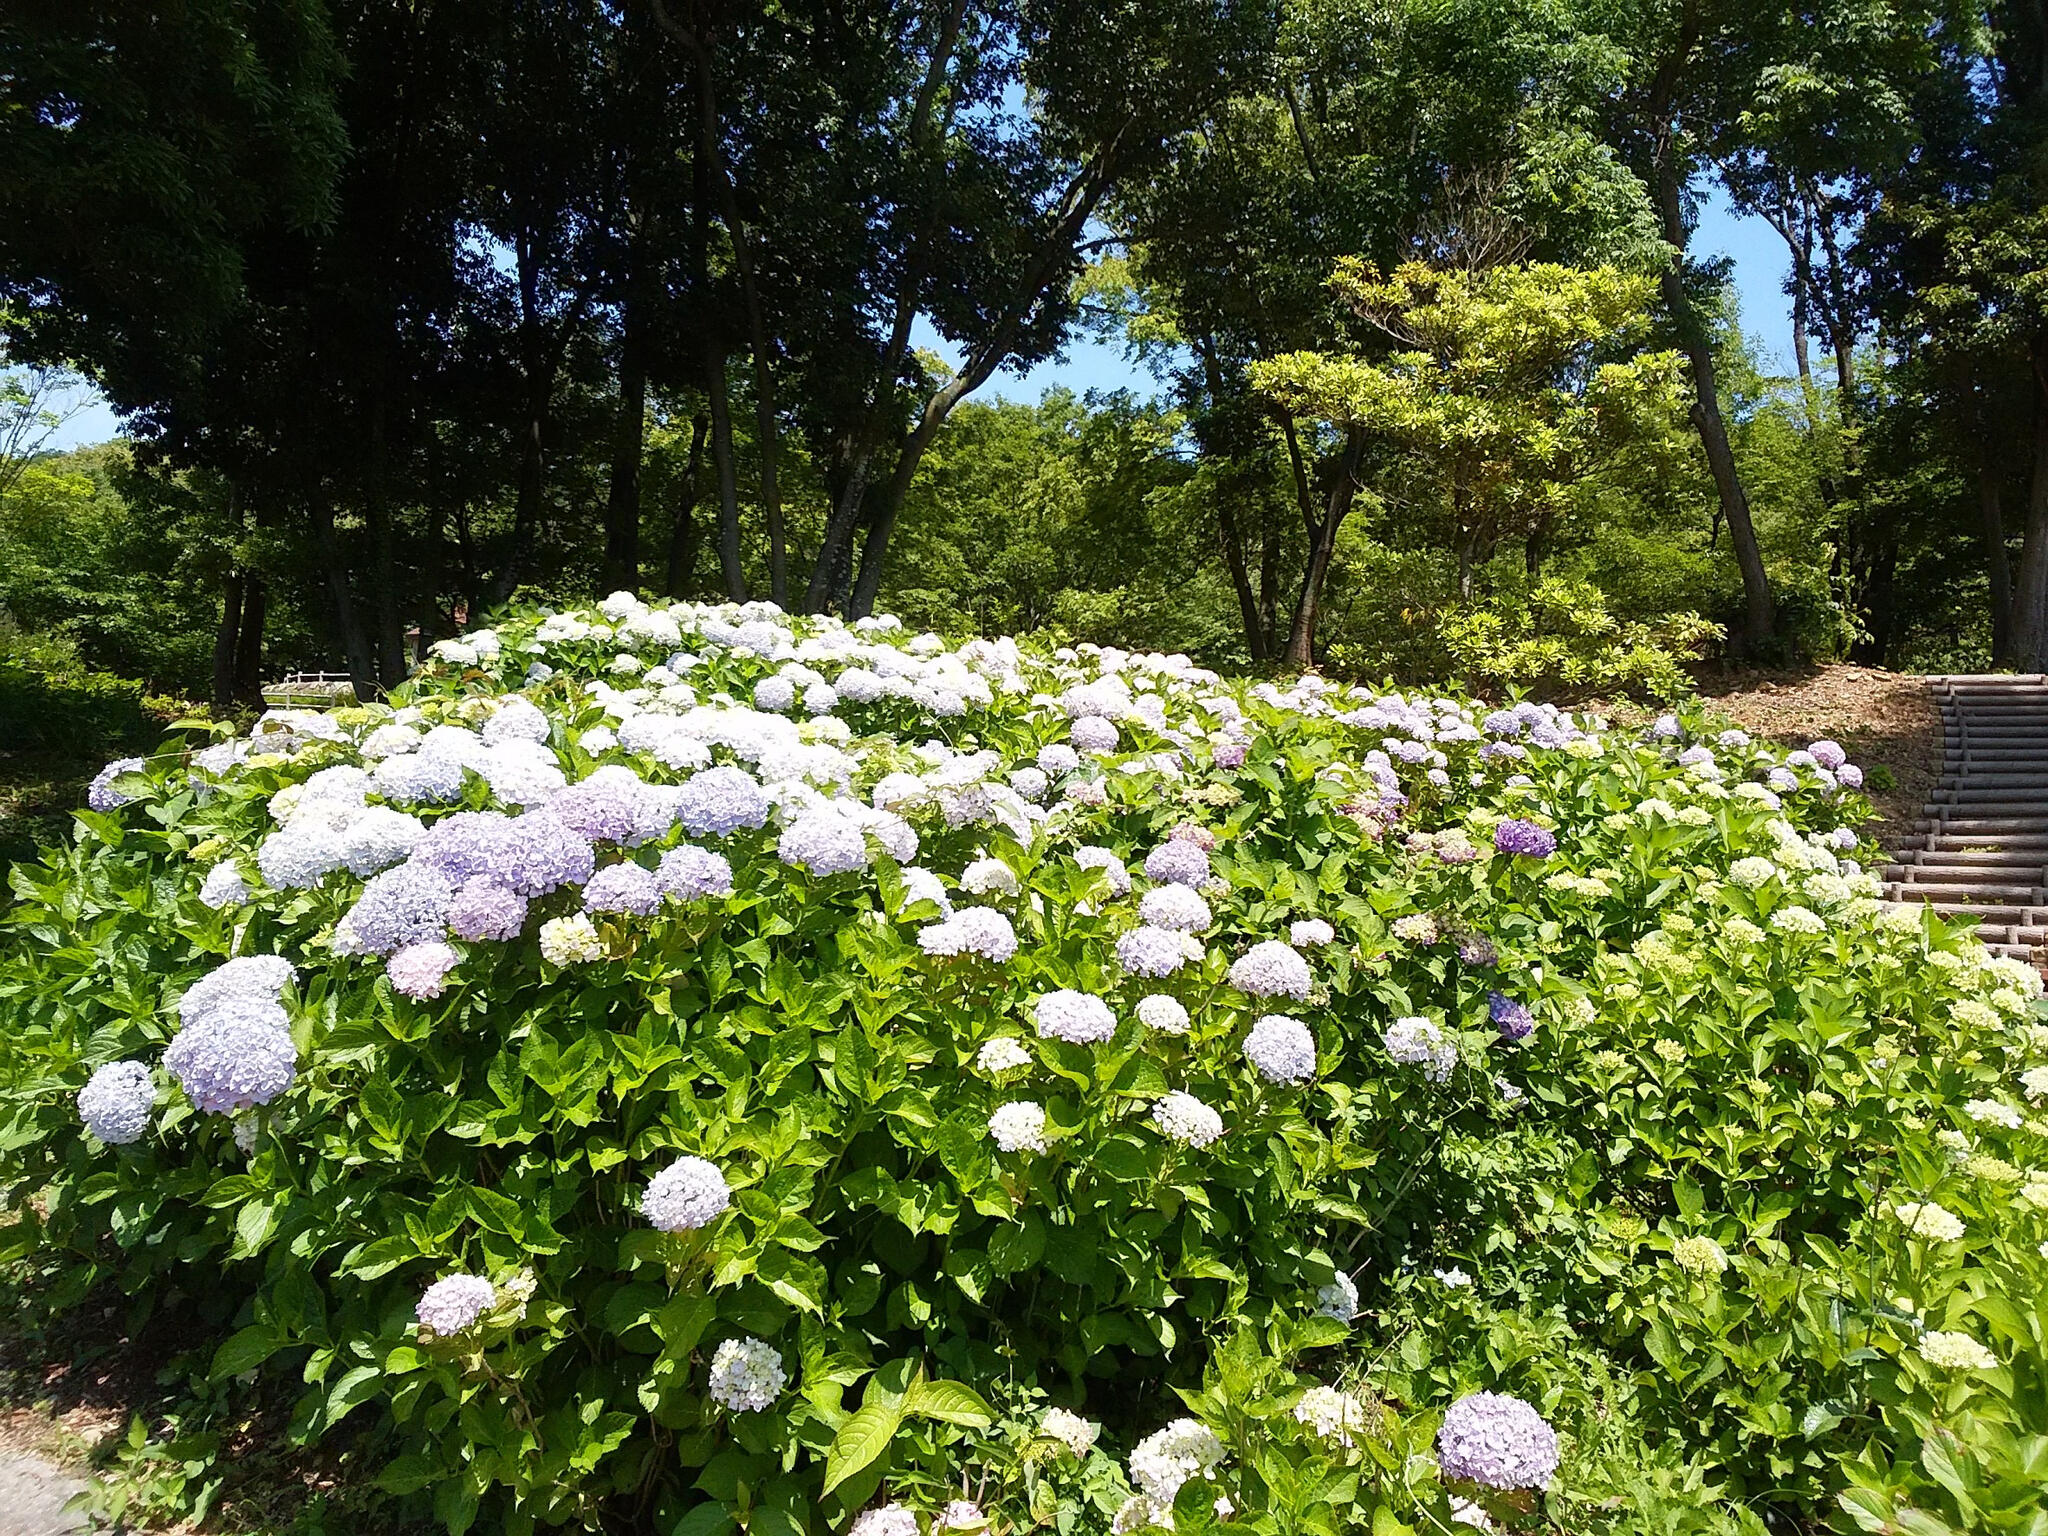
x: 700, y: 1073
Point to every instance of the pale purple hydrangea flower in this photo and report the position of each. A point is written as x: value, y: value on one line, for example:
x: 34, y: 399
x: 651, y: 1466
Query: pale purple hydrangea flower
x: 607, y: 807
x: 1475, y: 949
x: 885, y: 1520
x: 117, y: 1101
x: 406, y: 905
x: 1076, y: 1017
x: 1282, y: 1049
x: 1229, y: 754
x: 258, y: 979
x: 1783, y: 779
x: 1828, y: 754
x: 690, y: 873
x: 721, y: 801
x: 468, y: 844
x: 420, y: 971
x: 1092, y: 733
x: 628, y: 888
x: 979, y: 931
x: 688, y: 1194
x: 227, y: 1063
x: 485, y: 909
x: 1272, y: 969
x: 1310, y: 933
x: 1153, y: 952
x: 1176, y: 907
x: 1177, y: 862
x: 515, y: 719
x: 1849, y: 776
x: 452, y: 1304
x: 1524, y: 839
x: 826, y: 842
x: 1058, y: 758
x: 1497, y: 1441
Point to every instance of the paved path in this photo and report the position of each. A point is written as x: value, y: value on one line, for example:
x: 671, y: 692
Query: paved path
x: 32, y: 1495
x: 1981, y: 847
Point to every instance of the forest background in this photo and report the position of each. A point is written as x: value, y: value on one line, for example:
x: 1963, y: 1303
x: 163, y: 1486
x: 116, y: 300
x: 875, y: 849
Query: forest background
x: 404, y: 308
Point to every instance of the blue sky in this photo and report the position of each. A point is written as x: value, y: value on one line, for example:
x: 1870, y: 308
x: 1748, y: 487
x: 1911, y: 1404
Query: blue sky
x: 1760, y: 267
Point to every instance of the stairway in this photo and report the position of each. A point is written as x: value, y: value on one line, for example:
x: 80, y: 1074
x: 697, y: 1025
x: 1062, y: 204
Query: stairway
x: 1981, y: 847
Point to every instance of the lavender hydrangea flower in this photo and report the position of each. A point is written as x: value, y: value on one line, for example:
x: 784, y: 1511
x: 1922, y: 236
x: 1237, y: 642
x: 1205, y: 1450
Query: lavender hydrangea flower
x: 607, y: 807
x: 1282, y: 1049
x: 1524, y: 839
x: 452, y: 1304
x: 551, y: 855
x: 688, y: 1194
x: 627, y: 888
x: 227, y: 1063
x: 1849, y: 776
x: 1828, y: 754
x: 468, y: 844
x: 690, y: 873
x: 484, y: 908
x: 515, y: 719
x: 1497, y: 1441
x: 1177, y: 862
x: 420, y: 971
x: 1512, y: 1019
x: 721, y: 801
x: 101, y: 795
x: 231, y: 986
x: 117, y: 1101
x: 1079, y: 1018
x: 1271, y: 969
x: 406, y: 905
x: 1152, y: 951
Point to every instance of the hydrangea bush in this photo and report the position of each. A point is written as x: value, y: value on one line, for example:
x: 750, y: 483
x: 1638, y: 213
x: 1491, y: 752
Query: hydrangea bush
x: 694, y: 1069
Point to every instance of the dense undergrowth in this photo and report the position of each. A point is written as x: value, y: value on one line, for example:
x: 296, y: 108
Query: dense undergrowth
x: 724, y: 1070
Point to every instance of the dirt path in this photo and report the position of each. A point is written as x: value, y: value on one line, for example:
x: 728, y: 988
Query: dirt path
x: 33, y: 1492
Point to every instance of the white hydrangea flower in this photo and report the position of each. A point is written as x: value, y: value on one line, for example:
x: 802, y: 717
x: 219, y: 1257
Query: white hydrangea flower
x: 1018, y: 1127
x: 1929, y: 1220
x: 1333, y: 1415
x: 452, y: 1305
x: 1186, y: 1119
x: 1070, y: 1429
x: 572, y: 940
x: 690, y: 1193
x: 1164, y: 1460
x: 1002, y: 1054
x: 1338, y: 1299
x: 1282, y: 1049
x: 1955, y: 1352
x: 1164, y: 1014
x: 746, y: 1375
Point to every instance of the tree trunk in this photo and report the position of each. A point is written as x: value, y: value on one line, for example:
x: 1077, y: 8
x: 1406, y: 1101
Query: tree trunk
x: 722, y: 461
x: 249, y: 642
x: 1998, y: 564
x: 362, y: 666
x: 1301, y: 639
x: 1760, y: 614
x: 629, y: 425
x: 2030, y: 593
x: 1269, y: 587
x: 682, y: 536
x: 224, y: 640
x: 1240, y: 579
